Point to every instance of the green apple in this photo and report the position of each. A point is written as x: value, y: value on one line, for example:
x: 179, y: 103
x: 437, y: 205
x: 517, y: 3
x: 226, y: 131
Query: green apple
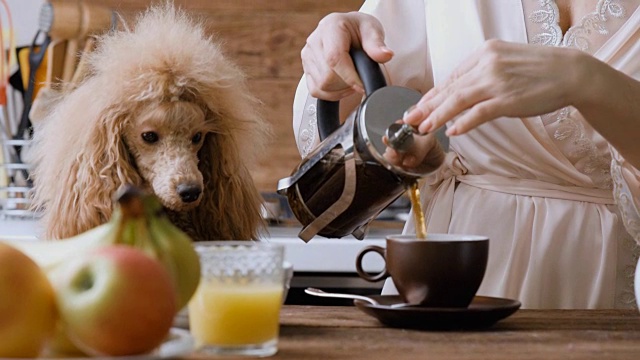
x: 27, y: 305
x: 115, y: 301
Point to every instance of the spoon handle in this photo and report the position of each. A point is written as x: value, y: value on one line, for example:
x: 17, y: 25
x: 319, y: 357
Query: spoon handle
x: 318, y: 292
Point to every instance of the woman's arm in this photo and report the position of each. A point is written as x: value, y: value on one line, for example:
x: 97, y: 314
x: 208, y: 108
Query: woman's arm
x: 519, y: 80
x: 610, y: 101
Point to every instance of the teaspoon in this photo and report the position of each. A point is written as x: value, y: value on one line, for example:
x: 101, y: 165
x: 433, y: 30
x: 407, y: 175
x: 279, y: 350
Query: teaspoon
x: 318, y: 292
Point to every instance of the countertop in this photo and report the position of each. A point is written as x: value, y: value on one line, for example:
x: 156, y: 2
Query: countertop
x: 323, y: 332
x: 12, y: 227
x: 318, y: 255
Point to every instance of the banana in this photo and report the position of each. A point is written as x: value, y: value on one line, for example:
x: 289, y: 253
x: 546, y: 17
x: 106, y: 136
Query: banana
x: 186, y: 262
x: 138, y: 220
x: 49, y: 254
x: 155, y: 234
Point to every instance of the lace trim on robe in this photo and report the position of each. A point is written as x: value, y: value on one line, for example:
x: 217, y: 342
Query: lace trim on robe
x: 577, y: 36
x: 608, y: 170
x: 631, y: 219
x: 624, y: 200
x: 308, y: 135
x: 597, y: 165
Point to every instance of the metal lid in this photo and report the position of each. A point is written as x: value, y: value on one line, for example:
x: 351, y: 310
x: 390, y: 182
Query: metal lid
x: 380, y: 110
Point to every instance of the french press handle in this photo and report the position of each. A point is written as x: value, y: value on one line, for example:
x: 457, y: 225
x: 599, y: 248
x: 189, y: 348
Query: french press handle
x: 372, y: 79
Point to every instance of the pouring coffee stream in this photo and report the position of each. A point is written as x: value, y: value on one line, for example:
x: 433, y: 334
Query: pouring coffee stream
x: 421, y: 225
x: 345, y: 181
x: 400, y: 137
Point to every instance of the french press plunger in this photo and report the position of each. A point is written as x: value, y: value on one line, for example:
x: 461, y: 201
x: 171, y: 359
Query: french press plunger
x: 345, y: 181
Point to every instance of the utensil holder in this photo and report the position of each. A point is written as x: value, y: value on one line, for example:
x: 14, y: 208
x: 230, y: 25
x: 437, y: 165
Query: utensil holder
x: 15, y: 187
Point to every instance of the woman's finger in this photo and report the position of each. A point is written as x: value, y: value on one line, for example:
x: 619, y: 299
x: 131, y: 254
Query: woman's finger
x: 325, y: 83
x: 479, y: 114
x: 336, y: 56
x: 459, y: 90
x: 452, y: 105
x: 372, y: 40
x: 316, y: 92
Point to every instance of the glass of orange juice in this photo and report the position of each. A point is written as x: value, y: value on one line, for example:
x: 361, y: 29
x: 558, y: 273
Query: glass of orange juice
x: 236, y: 309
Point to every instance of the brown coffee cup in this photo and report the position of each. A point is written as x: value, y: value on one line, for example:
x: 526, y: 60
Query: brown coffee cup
x: 443, y: 270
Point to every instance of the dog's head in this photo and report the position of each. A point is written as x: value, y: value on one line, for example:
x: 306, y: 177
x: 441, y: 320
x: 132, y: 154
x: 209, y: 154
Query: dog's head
x: 179, y: 99
x: 162, y: 108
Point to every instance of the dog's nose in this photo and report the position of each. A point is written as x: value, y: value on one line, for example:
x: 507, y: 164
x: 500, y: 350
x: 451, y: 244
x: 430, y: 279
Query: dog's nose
x: 188, y: 193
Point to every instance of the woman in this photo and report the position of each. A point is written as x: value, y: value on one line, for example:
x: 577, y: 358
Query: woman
x: 541, y: 101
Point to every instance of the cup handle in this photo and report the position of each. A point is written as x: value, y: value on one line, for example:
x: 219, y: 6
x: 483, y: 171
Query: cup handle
x: 363, y: 274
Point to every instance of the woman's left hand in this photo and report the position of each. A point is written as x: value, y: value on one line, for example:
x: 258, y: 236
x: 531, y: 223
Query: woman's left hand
x: 502, y: 79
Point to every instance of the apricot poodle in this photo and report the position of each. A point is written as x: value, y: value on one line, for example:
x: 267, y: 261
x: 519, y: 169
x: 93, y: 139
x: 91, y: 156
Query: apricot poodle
x: 163, y: 108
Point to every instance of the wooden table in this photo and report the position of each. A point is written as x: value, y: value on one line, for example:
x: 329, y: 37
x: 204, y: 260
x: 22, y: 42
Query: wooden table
x: 322, y: 332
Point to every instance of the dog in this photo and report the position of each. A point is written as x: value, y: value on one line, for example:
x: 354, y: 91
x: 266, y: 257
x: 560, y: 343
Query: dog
x: 162, y: 108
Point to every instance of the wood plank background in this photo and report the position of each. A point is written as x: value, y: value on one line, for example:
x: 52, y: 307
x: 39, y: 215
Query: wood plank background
x: 264, y: 37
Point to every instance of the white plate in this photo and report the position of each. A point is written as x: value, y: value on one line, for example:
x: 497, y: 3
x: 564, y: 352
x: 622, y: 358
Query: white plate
x: 179, y: 342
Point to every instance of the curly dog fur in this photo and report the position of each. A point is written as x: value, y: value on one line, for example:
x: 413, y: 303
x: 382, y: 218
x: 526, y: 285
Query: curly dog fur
x: 161, y: 108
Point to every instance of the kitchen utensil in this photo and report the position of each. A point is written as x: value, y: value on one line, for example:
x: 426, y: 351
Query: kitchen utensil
x: 318, y: 292
x: 73, y: 21
x: 36, y: 56
x: 341, y: 185
x: 55, y: 64
x: 370, y: 300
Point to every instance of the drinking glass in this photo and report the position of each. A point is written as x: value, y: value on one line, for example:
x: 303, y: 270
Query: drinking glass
x: 236, y: 309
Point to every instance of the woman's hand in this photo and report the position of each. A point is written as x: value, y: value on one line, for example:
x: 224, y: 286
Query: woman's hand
x: 501, y: 79
x: 423, y: 156
x: 327, y: 65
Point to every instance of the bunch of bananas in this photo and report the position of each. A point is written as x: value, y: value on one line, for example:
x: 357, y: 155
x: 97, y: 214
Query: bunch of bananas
x: 138, y: 220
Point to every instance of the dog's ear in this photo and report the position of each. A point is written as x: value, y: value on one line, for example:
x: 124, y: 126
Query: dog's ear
x: 238, y: 134
x: 101, y: 167
x: 105, y: 163
x: 230, y: 208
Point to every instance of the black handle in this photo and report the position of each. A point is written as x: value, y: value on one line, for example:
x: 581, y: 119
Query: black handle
x: 372, y: 79
x: 363, y: 274
x: 36, y: 55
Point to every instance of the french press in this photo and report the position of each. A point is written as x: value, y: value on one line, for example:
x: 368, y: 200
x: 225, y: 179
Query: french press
x: 345, y: 181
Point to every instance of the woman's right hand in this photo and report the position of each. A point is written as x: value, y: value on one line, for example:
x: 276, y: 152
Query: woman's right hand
x: 327, y: 65
x: 424, y: 156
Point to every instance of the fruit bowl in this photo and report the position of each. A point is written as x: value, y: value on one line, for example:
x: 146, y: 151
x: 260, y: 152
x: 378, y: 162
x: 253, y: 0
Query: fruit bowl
x: 182, y: 318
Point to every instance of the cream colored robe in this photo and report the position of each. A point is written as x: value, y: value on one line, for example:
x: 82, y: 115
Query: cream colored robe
x: 559, y: 205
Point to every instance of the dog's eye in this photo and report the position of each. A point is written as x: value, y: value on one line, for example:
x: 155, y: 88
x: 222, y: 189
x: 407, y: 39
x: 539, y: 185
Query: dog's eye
x: 196, y: 138
x: 150, y: 137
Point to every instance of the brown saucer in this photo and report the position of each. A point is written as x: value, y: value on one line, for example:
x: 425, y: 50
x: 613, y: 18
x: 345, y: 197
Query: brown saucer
x: 482, y: 313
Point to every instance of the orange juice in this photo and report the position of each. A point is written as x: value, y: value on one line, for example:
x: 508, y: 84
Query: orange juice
x: 235, y: 314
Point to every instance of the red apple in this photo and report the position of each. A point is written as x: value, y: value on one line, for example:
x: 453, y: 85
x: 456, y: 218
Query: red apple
x: 115, y: 301
x: 27, y: 305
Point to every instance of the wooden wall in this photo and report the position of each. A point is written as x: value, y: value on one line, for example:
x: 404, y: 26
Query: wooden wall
x: 265, y: 38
